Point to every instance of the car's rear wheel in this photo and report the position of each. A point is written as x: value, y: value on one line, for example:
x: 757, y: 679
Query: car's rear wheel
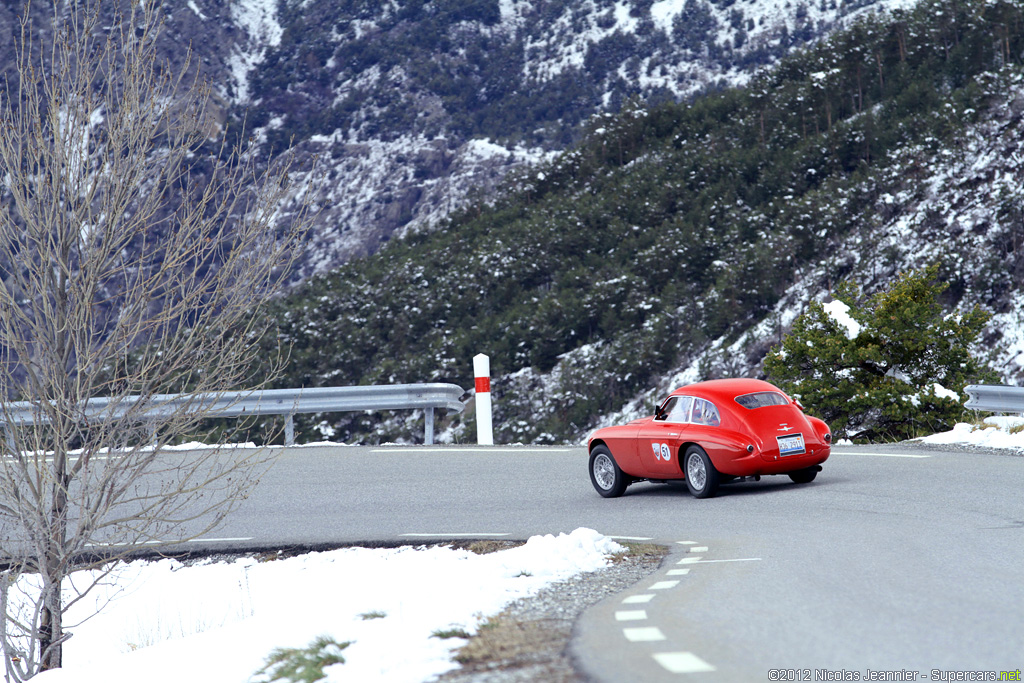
x: 605, y: 474
x: 804, y: 476
x: 701, y: 476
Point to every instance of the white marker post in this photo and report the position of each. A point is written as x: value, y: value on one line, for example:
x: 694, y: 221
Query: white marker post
x: 482, y: 372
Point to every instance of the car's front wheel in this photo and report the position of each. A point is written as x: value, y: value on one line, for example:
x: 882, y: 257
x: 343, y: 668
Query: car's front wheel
x: 701, y: 476
x: 605, y: 474
x: 804, y: 476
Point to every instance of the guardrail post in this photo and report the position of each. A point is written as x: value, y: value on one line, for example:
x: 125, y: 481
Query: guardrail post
x: 289, y: 430
x: 482, y: 372
x: 428, y: 435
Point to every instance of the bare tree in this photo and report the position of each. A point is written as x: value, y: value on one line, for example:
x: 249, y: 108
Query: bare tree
x: 135, y: 252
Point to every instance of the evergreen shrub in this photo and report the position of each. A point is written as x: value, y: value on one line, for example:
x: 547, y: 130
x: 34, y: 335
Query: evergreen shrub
x: 887, y: 367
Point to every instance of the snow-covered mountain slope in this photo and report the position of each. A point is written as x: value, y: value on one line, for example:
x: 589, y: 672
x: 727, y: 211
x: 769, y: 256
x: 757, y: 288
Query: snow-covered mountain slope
x: 413, y: 107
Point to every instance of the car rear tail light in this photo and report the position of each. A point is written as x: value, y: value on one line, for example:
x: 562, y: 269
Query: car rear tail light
x: 828, y: 438
x: 750, y: 448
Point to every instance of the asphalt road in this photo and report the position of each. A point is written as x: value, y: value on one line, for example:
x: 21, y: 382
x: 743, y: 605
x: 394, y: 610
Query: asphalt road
x: 894, y: 560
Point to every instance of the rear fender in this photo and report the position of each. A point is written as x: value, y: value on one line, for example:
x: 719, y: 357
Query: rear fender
x: 725, y: 451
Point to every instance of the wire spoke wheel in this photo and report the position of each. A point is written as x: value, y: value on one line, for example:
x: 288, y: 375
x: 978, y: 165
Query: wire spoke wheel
x: 604, y: 471
x: 701, y: 476
x: 696, y: 472
x: 605, y: 474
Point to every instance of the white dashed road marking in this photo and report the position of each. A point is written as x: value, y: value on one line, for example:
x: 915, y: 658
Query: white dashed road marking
x: 631, y: 615
x: 631, y: 538
x: 682, y: 662
x: 674, y: 662
x: 643, y: 635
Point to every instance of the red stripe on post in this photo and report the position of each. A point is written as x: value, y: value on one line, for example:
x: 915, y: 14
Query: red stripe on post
x: 483, y: 384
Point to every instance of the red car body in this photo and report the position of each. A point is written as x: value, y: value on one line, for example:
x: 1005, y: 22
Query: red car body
x: 708, y: 433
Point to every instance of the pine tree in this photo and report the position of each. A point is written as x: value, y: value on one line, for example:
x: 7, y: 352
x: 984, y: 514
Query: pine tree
x: 891, y: 366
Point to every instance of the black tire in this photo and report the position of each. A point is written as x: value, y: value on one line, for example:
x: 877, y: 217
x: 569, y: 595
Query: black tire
x: 804, y: 476
x: 605, y: 475
x: 701, y: 476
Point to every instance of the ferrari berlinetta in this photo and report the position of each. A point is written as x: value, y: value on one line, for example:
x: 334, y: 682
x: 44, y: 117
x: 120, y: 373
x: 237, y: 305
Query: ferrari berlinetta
x: 710, y: 433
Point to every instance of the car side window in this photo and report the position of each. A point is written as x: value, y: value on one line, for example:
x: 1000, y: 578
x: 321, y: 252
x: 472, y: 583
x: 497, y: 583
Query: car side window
x: 666, y: 408
x: 705, y: 413
x: 680, y: 412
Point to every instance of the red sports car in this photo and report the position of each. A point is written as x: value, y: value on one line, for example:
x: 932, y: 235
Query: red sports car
x: 710, y: 433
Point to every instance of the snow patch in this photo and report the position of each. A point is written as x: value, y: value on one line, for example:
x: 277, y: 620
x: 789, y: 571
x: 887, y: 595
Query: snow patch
x: 165, y: 622
x: 840, y: 312
x: 258, y: 19
x: 998, y: 432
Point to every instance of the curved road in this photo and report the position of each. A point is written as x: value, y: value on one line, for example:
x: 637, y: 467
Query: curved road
x: 897, y: 561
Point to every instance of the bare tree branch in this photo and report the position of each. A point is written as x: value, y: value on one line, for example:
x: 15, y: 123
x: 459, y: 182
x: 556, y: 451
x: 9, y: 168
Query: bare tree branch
x: 135, y: 251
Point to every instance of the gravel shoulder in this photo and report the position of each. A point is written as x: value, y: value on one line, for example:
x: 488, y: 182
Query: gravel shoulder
x: 529, y: 640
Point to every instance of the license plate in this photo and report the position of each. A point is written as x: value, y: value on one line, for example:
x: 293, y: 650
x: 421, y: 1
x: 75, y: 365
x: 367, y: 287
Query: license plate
x: 792, y: 444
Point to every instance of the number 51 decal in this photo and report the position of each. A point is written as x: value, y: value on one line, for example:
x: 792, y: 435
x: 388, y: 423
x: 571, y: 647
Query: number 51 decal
x: 661, y: 451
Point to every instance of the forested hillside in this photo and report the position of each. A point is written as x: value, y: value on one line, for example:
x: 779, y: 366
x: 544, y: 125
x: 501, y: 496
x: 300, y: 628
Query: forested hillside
x: 408, y: 109
x: 676, y: 229
x: 413, y: 107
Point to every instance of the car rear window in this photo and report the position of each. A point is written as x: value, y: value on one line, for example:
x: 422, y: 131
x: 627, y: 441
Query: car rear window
x: 762, y: 399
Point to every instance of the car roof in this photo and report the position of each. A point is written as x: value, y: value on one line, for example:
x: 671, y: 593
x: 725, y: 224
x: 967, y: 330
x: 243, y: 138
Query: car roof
x: 721, y: 390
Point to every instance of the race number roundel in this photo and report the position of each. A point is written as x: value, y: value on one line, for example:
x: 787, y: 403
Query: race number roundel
x: 661, y: 451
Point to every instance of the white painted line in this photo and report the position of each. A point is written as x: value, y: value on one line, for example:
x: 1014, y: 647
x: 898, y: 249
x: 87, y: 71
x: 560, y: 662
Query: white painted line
x: 643, y: 635
x: 481, y: 534
x: 631, y: 615
x: 492, y: 449
x: 687, y: 542
x: 637, y: 599
x: 699, y: 549
x: 689, y: 560
x: 664, y: 585
x: 740, y: 559
x: 631, y: 538
x: 881, y: 455
x: 128, y: 545
x: 682, y: 662
x: 173, y: 542
x: 678, y: 572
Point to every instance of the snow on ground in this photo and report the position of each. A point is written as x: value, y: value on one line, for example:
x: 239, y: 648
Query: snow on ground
x: 258, y: 19
x: 218, y: 621
x: 998, y: 432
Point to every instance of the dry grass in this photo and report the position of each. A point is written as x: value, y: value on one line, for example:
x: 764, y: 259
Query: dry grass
x: 537, y: 648
x: 504, y: 639
x: 640, y: 551
x: 484, y: 547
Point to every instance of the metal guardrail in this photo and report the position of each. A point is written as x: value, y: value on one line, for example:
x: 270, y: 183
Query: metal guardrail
x: 995, y: 398
x: 288, y: 402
